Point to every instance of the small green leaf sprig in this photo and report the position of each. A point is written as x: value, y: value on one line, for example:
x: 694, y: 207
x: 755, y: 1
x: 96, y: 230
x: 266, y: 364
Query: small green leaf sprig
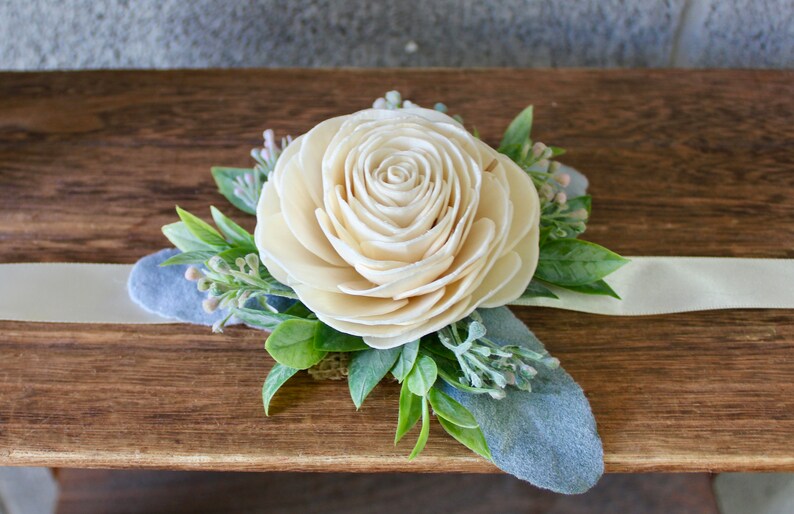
x: 232, y: 276
x: 233, y: 286
x: 243, y: 186
x: 484, y: 366
x: 224, y: 264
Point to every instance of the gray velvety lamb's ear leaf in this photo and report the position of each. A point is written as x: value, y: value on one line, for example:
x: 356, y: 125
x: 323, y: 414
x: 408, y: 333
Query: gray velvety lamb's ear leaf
x: 164, y: 290
x: 548, y: 436
x: 579, y: 182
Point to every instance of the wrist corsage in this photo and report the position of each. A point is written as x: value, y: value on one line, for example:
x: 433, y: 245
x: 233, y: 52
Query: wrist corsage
x: 388, y: 243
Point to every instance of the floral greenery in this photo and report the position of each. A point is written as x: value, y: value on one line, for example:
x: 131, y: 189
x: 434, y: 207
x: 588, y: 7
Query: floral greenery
x: 565, y: 261
x: 242, y: 186
x: 460, y: 355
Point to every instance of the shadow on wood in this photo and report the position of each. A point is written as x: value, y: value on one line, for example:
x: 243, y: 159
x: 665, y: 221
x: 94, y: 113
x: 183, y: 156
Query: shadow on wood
x: 172, y: 492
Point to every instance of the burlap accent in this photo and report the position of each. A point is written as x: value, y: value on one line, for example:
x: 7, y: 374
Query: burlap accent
x: 332, y: 367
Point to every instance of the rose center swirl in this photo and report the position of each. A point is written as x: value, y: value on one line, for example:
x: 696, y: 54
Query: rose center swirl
x: 406, y: 182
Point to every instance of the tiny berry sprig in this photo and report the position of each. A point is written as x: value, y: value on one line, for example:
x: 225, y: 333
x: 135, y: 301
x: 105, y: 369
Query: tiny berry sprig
x: 248, y: 186
x: 559, y: 216
x: 227, y: 287
x: 393, y: 100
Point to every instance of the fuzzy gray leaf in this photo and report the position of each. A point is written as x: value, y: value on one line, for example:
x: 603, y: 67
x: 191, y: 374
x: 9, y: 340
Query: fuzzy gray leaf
x: 547, y: 437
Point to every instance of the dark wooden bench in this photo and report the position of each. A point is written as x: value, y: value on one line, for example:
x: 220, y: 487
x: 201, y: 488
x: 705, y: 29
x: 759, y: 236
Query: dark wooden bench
x: 681, y: 163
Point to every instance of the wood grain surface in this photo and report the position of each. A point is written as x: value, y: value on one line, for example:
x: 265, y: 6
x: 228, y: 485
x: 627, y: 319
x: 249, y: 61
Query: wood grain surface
x: 681, y: 163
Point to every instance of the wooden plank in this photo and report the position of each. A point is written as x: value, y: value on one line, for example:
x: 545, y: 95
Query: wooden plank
x: 681, y: 163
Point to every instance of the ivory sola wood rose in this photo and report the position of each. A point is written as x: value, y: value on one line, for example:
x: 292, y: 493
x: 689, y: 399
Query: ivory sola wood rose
x: 392, y: 224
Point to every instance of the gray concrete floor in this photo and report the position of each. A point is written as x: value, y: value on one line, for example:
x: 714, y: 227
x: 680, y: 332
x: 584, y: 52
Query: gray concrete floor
x: 34, y: 491
x: 755, y: 493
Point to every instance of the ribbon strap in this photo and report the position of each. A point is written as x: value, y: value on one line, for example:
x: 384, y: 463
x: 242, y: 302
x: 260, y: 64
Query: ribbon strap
x: 70, y: 293
x: 97, y: 293
x: 664, y: 285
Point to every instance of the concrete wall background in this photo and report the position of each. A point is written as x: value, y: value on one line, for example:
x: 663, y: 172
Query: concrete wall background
x: 80, y: 34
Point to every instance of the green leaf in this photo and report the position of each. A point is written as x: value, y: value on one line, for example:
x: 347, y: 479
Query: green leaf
x: 184, y: 240
x: 545, y: 232
x: 409, y: 414
x: 595, y: 288
x: 232, y: 254
x: 447, y: 375
x: 301, y: 311
x: 233, y: 232
x: 573, y: 262
x: 449, y: 371
x: 518, y: 131
x: 202, y: 230
x: 331, y: 340
x: 292, y: 344
x: 471, y: 438
x: 433, y: 347
x: 265, y: 319
x: 556, y: 151
x: 517, y: 134
x: 537, y: 290
x: 405, y: 362
x: 277, y: 288
x: 224, y: 178
x: 194, y: 257
x: 278, y: 375
x: 581, y: 202
x: 448, y: 408
x: 366, y: 369
x: 424, y: 433
x: 422, y: 376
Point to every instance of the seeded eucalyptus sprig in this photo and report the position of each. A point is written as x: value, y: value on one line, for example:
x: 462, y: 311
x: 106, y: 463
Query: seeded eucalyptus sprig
x: 242, y: 186
x: 231, y: 274
x: 486, y: 367
x: 565, y: 261
x: 231, y: 287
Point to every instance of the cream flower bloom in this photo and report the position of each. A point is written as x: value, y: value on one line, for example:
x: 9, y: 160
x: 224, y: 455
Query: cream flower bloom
x: 391, y: 225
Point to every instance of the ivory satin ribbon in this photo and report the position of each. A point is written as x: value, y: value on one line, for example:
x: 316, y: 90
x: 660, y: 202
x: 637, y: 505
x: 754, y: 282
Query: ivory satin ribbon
x: 97, y: 293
